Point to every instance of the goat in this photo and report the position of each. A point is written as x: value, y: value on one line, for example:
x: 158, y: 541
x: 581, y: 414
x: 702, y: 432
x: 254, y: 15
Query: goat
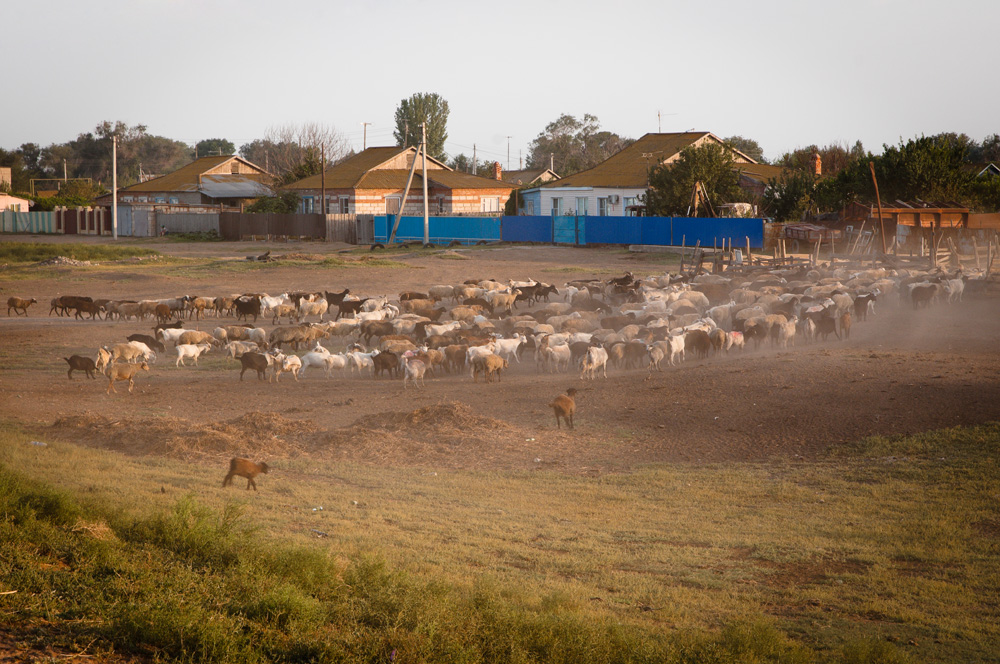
x: 564, y: 406
x: 258, y: 362
x: 16, y: 303
x: 596, y: 358
x: 149, y: 341
x: 81, y: 363
x: 124, y: 372
x: 414, y: 371
x: 244, y: 468
x: 194, y: 351
x: 489, y: 365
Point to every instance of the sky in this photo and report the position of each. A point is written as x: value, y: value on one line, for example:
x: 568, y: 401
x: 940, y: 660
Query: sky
x: 786, y: 73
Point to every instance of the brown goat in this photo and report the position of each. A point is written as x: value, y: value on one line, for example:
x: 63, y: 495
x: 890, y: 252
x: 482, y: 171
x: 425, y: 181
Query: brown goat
x: 845, y: 324
x: 244, y: 468
x: 16, y: 303
x: 81, y: 363
x: 564, y: 406
x: 124, y: 372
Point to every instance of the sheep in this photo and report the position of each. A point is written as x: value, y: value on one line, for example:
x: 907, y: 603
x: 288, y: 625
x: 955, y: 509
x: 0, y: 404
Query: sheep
x: 864, y: 305
x: 317, y: 308
x: 414, y: 371
x: 283, y: 311
x: 130, y: 352
x: 196, y: 337
x: 124, y: 372
x: 596, y: 358
x: 321, y: 357
x: 361, y: 361
x: 385, y: 361
x: 489, y: 365
x: 246, y: 307
x: 564, y: 406
x: 244, y: 468
x: 81, y: 363
x: 786, y: 331
x: 170, y: 334
x: 258, y: 362
x: 954, y: 288
x: 556, y: 357
x: 149, y: 341
x: 698, y: 342
x: 507, y: 348
x: 922, y: 295
x: 194, y: 351
x: 16, y: 303
x: 287, y: 363
x: 103, y: 359
x: 735, y: 339
x: 234, y: 349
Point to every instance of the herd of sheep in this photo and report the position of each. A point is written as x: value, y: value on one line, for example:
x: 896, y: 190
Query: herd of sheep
x: 480, y: 326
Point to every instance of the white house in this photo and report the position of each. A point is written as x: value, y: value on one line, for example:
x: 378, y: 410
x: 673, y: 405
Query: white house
x: 615, y: 187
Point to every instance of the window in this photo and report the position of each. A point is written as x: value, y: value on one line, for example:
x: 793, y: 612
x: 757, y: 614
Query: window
x: 557, y: 208
x: 174, y: 200
x: 392, y: 204
x: 490, y: 205
x: 581, y: 206
x: 160, y: 199
x: 602, y: 207
x: 308, y: 204
x: 529, y: 208
x: 440, y: 204
x: 345, y: 205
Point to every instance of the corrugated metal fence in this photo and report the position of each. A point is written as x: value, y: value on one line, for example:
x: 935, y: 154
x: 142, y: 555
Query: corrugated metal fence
x: 579, y: 231
x: 28, y: 222
x: 239, y: 225
x: 187, y: 222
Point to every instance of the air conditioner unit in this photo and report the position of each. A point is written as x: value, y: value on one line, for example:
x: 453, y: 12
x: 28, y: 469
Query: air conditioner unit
x: 614, y: 198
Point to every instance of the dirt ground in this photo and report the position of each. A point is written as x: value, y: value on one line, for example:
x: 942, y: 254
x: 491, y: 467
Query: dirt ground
x: 903, y: 371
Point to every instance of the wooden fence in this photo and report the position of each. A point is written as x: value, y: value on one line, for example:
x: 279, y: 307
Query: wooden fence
x: 243, y: 225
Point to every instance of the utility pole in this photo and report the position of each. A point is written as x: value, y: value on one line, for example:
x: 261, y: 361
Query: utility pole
x: 406, y: 133
x: 552, y: 162
x: 114, y: 187
x: 520, y: 160
x: 322, y: 178
x: 474, y: 170
x: 364, y: 144
x: 423, y: 153
x: 64, y: 171
x: 508, y: 153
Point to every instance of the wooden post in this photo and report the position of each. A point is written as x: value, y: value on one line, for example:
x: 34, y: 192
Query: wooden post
x: 683, y: 239
x: 749, y: 260
x: 975, y: 250
x: 989, y: 255
x: 878, y: 200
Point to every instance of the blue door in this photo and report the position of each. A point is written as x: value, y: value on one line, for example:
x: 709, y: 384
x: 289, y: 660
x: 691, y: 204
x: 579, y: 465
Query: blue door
x: 564, y: 230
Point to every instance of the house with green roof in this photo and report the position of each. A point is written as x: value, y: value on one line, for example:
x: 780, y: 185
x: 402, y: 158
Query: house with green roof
x: 616, y: 186
x: 373, y: 182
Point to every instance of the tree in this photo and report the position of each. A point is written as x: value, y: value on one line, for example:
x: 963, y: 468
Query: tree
x: 671, y: 185
x: 787, y: 197
x: 284, y: 149
x: 573, y: 145
x: 835, y: 157
x: 747, y: 146
x: 284, y: 202
x: 461, y: 163
x: 423, y: 107
x: 214, y: 146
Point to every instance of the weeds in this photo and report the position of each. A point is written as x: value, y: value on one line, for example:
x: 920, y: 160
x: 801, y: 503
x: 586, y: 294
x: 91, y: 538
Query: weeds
x: 33, y: 252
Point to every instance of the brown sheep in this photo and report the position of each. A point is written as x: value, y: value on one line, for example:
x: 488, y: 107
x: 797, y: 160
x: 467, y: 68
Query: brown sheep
x: 16, y: 303
x: 163, y: 313
x: 489, y: 365
x: 564, y: 406
x: 196, y: 337
x: 245, y: 468
x: 845, y: 324
x: 124, y: 372
x: 81, y: 363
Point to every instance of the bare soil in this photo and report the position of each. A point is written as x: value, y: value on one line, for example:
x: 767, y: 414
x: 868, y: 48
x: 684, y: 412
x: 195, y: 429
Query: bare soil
x: 902, y: 371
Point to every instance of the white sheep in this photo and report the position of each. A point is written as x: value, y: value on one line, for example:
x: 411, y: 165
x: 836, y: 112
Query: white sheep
x: 194, y: 351
x: 556, y: 357
x: 414, y: 371
x: 507, y: 348
x: 234, y: 349
x: 287, y: 364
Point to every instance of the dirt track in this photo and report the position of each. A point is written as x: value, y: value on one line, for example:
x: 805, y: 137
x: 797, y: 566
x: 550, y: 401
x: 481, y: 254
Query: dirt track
x: 902, y: 371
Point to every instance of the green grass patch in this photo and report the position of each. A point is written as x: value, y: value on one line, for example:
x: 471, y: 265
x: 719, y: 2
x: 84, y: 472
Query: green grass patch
x: 33, y: 252
x: 886, y: 551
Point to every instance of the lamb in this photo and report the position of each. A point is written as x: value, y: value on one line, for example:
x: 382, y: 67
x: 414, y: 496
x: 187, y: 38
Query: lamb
x: 245, y: 468
x: 124, y: 372
x: 81, y: 363
x: 564, y: 406
x: 414, y: 371
x: 16, y: 303
x: 194, y: 351
x: 596, y: 358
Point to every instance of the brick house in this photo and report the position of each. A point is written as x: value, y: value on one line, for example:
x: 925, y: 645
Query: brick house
x: 373, y: 181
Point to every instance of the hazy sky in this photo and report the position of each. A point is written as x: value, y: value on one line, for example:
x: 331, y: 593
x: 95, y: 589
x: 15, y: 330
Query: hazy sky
x: 787, y: 73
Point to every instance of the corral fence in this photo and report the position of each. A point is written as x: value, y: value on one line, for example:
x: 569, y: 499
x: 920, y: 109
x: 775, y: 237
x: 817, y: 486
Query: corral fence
x: 349, y: 228
x: 577, y: 230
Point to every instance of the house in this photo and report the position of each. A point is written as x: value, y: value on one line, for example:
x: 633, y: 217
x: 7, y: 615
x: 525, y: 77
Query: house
x: 373, y: 182
x: 530, y: 176
x: 220, y: 180
x: 616, y: 186
x: 13, y: 203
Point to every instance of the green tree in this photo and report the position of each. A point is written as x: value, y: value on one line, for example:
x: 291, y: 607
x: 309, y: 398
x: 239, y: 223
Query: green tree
x: 284, y: 202
x: 214, y: 146
x: 835, y: 157
x: 747, y: 146
x: 461, y: 163
x: 423, y: 107
x: 573, y: 145
x: 671, y: 185
x: 787, y: 197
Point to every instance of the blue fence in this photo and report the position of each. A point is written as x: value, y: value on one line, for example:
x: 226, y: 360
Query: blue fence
x: 580, y: 231
x: 442, y: 230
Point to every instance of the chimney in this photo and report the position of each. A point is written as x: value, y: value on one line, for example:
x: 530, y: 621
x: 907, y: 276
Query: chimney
x: 497, y: 171
x: 816, y: 162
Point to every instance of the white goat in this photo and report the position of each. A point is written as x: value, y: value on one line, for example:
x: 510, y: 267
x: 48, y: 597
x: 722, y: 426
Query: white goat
x: 194, y: 351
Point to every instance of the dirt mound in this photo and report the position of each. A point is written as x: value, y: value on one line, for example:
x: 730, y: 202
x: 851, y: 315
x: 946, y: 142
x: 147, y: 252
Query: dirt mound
x: 443, y: 434
x: 299, y: 257
x: 253, y: 434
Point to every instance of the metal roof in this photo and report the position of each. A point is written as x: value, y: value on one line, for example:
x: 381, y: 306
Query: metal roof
x: 186, y: 178
x: 232, y: 186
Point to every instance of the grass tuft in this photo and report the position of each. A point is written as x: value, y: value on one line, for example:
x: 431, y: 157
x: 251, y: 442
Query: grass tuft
x: 33, y: 252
